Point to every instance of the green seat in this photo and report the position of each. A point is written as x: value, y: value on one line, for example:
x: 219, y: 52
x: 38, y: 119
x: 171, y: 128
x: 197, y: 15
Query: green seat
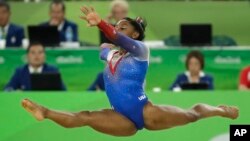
x: 223, y: 40
x: 172, y: 40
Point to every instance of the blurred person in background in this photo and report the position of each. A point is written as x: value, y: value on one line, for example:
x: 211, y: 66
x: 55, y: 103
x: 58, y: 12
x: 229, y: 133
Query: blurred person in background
x: 36, y: 64
x: 68, y: 30
x: 118, y: 10
x: 10, y: 33
x: 194, y: 64
x: 244, y: 82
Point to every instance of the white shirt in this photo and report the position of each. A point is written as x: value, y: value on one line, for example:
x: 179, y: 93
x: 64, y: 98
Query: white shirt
x: 33, y: 70
x: 5, y: 28
x: 187, y: 73
x: 60, y: 26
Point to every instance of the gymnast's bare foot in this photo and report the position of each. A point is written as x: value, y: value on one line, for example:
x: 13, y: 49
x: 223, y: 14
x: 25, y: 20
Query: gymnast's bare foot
x: 36, y: 110
x: 231, y: 112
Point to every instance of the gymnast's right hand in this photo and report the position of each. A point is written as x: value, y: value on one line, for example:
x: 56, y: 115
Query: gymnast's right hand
x: 91, y: 16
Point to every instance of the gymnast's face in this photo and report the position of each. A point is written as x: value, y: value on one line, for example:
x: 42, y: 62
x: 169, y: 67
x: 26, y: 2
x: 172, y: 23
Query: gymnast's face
x: 126, y: 28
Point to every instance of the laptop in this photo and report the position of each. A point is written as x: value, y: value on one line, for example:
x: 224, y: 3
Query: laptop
x: 196, y: 34
x: 194, y: 86
x: 47, y: 35
x: 46, y: 82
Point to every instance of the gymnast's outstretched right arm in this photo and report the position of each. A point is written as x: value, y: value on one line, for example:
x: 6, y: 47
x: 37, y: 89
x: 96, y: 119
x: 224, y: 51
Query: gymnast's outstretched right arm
x: 136, y: 48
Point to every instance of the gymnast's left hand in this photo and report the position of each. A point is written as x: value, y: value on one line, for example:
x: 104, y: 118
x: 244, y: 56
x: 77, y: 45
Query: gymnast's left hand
x: 91, y: 16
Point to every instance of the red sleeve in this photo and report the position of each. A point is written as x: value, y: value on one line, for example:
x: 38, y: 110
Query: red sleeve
x: 243, y: 77
x: 107, y: 29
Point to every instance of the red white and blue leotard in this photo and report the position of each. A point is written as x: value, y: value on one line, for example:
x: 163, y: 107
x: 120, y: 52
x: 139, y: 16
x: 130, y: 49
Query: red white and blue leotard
x: 125, y: 74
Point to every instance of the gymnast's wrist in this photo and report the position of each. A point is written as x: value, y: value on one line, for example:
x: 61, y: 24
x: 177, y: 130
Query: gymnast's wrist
x: 102, y: 24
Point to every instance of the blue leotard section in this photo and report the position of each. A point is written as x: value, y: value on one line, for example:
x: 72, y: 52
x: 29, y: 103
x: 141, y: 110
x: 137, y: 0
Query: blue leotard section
x: 125, y: 88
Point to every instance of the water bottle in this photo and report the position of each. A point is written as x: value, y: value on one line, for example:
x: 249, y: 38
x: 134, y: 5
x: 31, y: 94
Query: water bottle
x: 69, y: 34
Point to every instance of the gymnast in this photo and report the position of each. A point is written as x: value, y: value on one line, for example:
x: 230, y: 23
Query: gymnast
x: 124, y: 78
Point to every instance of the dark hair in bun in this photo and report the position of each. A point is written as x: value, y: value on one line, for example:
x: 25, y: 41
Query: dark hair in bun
x: 139, y: 25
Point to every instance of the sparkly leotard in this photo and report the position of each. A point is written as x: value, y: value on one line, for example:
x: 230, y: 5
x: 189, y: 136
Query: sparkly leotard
x: 125, y: 74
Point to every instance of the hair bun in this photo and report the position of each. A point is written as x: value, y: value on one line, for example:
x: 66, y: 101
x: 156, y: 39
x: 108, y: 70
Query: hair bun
x: 141, y: 21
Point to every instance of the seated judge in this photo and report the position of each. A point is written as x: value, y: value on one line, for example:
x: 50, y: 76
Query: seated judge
x: 11, y: 33
x: 244, y: 82
x: 118, y: 10
x: 194, y: 64
x: 98, y: 84
x: 36, y: 64
x: 67, y: 29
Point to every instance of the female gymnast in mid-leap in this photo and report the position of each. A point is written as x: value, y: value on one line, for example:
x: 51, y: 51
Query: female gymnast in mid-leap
x: 124, y: 77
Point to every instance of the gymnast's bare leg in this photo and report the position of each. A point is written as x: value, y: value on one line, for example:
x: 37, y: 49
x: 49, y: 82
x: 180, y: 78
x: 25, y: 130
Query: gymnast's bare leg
x: 110, y: 122
x: 163, y: 117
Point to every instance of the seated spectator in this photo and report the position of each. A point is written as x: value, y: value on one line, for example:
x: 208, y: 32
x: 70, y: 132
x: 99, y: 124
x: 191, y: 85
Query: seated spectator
x: 12, y: 34
x: 98, y: 84
x: 68, y: 30
x: 118, y: 10
x: 194, y: 64
x: 244, y: 83
x: 36, y: 64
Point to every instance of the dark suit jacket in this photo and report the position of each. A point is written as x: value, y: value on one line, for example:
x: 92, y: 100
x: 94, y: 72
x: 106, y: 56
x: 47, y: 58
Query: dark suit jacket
x: 21, y: 78
x: 183, y: 78
x: 14, y: 36
x: 67, y: 24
